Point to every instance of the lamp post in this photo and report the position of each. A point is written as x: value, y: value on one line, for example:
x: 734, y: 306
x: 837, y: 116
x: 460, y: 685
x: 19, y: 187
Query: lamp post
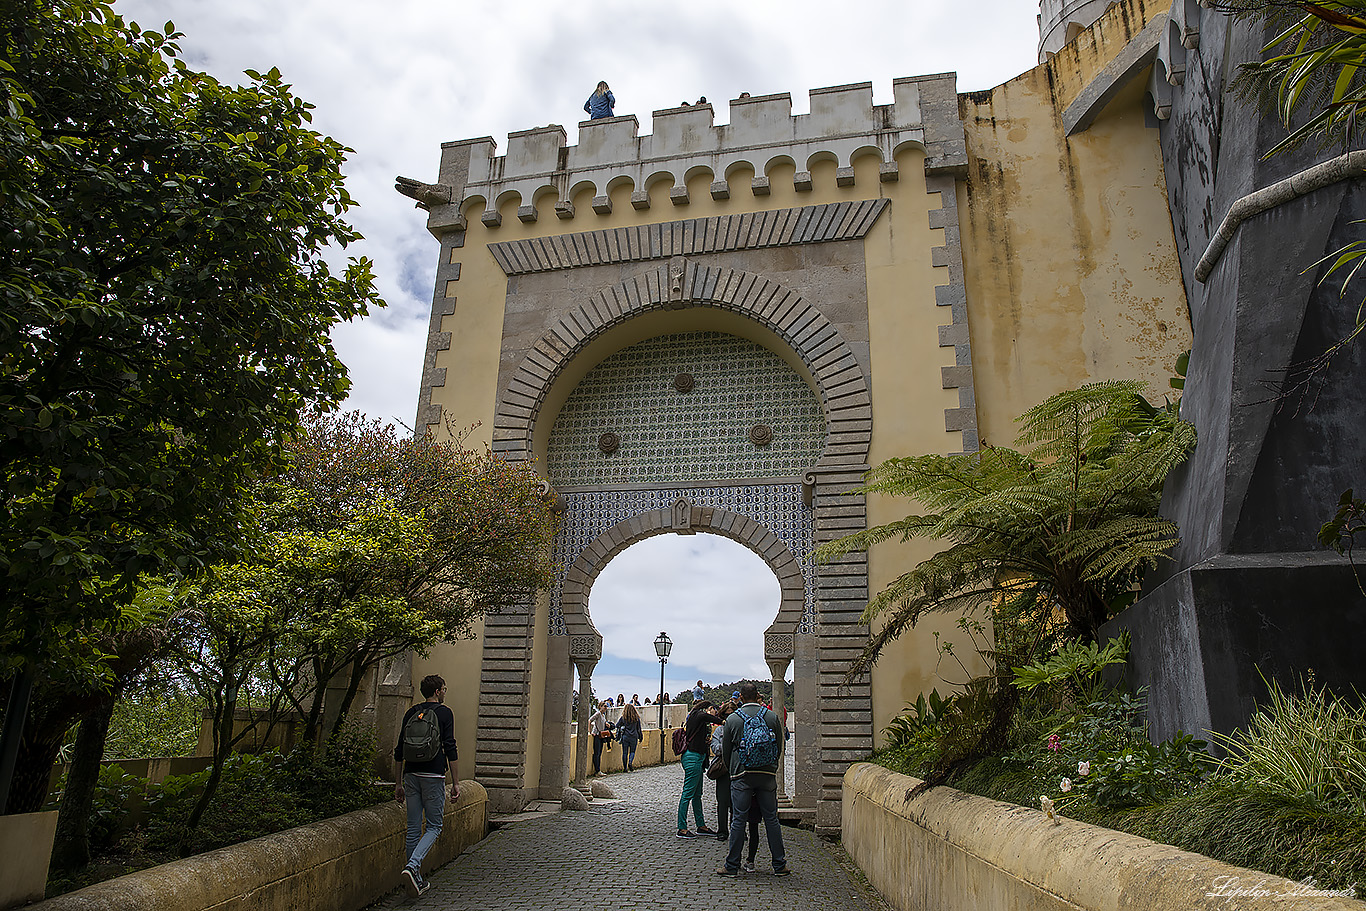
x: 663, y: 645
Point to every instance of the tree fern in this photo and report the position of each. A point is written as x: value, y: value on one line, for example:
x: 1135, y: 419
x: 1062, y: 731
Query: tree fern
x: 1064, y: 527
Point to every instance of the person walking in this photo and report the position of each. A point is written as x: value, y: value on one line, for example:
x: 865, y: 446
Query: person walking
x: 600, y: 103
x: 697, y: 731
x: 629, y: 735
x: 425, y: 756
x: 752, y: 747
x: 600, y: 729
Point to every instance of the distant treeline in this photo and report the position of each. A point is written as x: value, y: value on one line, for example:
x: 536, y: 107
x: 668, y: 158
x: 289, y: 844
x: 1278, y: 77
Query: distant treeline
x: 721, y: 692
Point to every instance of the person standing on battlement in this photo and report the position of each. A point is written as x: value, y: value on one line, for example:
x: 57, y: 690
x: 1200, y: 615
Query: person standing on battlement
x: 600, y: 103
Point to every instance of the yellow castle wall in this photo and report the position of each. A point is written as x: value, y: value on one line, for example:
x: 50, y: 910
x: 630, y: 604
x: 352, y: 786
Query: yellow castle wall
x: 1070, y: 271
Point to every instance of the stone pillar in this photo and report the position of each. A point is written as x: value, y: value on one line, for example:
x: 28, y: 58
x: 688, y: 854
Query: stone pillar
x: 585, y: 666
x: 778, y: 668
x: 557, y: 765
x: 395, y: 695
x: 805, y: 739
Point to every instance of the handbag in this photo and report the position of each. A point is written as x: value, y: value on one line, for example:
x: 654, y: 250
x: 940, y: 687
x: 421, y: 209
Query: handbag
x: 717, y: 770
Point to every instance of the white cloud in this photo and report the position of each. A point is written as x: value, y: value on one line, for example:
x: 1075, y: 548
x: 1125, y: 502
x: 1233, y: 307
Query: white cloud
x: 395, y: 80
x: 712, y: 596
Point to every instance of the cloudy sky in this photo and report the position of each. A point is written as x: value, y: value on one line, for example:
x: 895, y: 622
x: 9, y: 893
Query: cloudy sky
x: 395, y: 79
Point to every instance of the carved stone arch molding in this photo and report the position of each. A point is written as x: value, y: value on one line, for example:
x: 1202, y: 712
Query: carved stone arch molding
x: 778, y: 638
x: 843, y: 713
x: 674, y: 284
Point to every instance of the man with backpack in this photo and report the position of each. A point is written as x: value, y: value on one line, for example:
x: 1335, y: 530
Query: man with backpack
x: 426, y: 750
x: 752, y: 749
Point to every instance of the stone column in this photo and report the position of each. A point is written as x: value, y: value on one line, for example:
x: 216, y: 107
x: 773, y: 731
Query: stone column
x: 585, y: 667
x: 805, y: 740
x: 778, y: 668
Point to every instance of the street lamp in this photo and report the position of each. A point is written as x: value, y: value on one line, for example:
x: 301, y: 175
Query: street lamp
x: 663, y: 645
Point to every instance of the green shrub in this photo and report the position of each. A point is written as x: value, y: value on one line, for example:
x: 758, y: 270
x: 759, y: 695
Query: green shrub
x: 1144, y: 773
x: 152, y: 724
x: 1311, y: 746
x: 1075, y: 667
x: 115, y: 795
x: 251, y: 801
x: 339, y: 779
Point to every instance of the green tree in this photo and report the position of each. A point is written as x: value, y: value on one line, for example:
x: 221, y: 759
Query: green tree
x: 165, y: 306
x: 1050, y: 540
x: 368, y: 546
x: 134, y: 645
x: 383, y: 545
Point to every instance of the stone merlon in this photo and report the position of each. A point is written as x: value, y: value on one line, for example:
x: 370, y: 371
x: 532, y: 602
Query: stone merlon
x: 540, y: 170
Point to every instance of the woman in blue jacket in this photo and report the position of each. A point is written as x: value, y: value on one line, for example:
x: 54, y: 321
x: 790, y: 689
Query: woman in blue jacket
x: 600, y: 103
x: 629, y: 736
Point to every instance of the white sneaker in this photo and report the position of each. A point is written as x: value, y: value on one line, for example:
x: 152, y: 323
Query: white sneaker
x: 748, y: 866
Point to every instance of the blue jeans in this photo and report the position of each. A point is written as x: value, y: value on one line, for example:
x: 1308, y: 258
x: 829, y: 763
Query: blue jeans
x: 628, y: 755
x: 423, y: 797
x: 763, y: 790
x: 693, y: 764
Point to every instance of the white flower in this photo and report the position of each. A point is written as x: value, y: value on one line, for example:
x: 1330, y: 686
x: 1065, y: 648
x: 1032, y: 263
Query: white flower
x: 1083, y: 769
x: 1066, y: 785
x: 1047, y: 806
x: 1129, y: 758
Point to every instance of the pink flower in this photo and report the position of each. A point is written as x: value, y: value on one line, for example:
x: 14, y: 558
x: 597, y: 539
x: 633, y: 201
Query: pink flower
x: 1066, y: 785
x: 1054, y: 742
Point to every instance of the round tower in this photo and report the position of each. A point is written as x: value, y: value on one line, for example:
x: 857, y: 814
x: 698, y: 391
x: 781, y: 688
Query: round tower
x: 1062, y: 20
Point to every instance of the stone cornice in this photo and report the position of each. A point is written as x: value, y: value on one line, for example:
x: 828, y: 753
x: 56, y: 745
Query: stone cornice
x: 717, y: 234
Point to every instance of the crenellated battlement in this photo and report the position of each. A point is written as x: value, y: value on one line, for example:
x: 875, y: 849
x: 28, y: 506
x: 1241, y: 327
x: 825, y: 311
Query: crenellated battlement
x: 543, y: 174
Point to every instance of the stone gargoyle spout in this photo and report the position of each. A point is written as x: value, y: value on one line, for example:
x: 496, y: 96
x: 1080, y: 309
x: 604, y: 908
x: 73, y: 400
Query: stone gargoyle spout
x: 426, y: 194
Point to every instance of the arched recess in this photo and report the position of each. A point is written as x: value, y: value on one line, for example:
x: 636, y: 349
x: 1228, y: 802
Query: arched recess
x: 676, y: 284
x: 682, y: 517
x: 585, y: 331
x: 585, y: 642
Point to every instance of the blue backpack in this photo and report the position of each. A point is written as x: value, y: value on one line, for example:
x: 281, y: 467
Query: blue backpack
x: 758, y: 747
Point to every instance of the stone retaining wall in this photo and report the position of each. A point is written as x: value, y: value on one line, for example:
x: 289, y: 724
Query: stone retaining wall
x: 647, y: 753
x: 946, y: 850
x: 339, y: 864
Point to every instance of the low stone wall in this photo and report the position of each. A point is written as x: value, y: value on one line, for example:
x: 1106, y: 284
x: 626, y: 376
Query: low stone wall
x: 946, y: 851
x: 675, y: 713
x: 339, y: 864
x: 647, y: 753
x: 26, y: 846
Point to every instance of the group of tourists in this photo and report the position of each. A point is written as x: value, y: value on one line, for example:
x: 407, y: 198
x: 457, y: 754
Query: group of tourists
x: 626, y: 730
x: 740, y: 746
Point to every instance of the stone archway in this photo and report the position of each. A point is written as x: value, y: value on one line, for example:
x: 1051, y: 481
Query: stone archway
x: 838, y: 591
x: 685, y: 518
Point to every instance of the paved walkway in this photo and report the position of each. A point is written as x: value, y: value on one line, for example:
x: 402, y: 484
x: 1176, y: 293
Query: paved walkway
x: 623, y: 854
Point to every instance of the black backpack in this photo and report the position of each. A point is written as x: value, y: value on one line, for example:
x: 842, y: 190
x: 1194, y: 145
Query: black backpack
x: 422, y: 734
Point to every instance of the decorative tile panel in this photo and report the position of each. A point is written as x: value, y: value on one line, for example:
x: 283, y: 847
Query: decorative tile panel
x: 666, y: 436
x: 778, y: 507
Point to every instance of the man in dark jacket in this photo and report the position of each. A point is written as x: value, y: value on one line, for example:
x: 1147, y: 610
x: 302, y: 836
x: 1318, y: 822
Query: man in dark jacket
x: 751, y: 783
x: 423, y: 783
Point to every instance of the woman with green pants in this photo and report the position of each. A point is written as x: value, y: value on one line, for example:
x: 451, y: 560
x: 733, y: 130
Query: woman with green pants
x: 697, y: 730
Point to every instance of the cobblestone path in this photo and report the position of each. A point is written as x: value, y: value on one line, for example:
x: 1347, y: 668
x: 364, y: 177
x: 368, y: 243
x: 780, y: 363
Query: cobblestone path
x: 623, y: 855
